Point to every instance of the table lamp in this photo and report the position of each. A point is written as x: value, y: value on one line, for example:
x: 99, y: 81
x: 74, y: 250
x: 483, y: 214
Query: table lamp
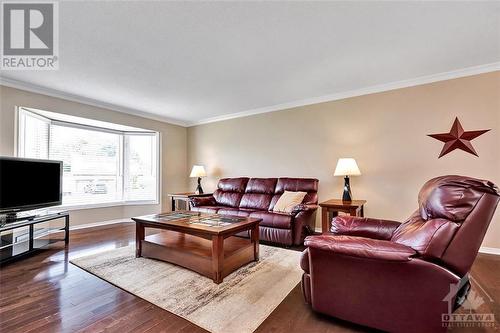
x: 347, y: 167
x: 198, y: 171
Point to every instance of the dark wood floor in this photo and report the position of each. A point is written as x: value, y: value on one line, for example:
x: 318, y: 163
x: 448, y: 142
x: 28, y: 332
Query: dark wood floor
x: 45, y: 293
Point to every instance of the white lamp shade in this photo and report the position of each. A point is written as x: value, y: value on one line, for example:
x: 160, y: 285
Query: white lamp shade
x: 198, y: 171
x: 347, y: 167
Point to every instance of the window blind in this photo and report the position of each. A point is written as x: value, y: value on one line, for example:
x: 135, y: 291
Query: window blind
x: 33, y: 136
x: 91, y: 164
x: 140, y: 166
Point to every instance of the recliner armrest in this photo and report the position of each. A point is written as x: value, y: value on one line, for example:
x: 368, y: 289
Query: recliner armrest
x: 304, y: 207
x: 202, y: 201
x: 363, y: 227
x: 361, y: 247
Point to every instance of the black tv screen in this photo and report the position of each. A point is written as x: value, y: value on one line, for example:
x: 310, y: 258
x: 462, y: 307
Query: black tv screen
x: 29, y: 183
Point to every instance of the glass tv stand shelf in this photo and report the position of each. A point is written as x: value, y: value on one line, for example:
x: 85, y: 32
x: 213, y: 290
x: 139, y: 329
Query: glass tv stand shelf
x: 26, y: 236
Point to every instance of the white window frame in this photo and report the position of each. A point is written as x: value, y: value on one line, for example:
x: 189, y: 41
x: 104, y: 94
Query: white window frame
x: 21, y: 132
x: 158, y: 166
x: 20, y: 149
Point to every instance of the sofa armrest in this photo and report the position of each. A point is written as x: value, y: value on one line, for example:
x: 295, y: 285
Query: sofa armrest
x: 304, y: 219
x: 363, y: 227
x: 361, y: 247
x: 202, y: 201
x: 303, y: 207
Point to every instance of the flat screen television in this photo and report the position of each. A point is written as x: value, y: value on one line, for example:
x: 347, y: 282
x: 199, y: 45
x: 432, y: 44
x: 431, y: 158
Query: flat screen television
x: 27, y: 184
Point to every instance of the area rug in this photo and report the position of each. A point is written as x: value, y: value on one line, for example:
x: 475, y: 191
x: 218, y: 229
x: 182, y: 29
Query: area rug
x: 239, y: 304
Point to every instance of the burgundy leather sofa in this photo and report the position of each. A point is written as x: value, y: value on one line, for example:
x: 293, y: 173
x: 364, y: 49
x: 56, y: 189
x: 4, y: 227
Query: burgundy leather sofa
x: 256, y: 197
x: 396, y: 276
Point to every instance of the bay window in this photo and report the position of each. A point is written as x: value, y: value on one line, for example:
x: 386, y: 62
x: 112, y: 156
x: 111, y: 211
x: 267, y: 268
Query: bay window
x: 102, y: 165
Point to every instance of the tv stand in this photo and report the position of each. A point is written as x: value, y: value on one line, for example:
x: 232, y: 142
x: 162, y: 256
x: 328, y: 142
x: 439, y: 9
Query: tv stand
x: 13, y: 217
x: 33, y: 241
x: 26, y: 215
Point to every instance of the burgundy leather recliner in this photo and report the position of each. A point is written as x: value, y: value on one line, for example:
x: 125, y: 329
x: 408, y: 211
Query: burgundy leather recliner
x: 396, y: 276
x: 256, y: 197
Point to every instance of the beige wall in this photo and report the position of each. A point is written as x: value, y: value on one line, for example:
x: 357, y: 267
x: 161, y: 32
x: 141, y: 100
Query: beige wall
x: 385, y: 132
x: 173, y: 145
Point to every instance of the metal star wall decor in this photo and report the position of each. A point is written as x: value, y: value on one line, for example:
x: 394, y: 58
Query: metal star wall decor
x: 457, y: 138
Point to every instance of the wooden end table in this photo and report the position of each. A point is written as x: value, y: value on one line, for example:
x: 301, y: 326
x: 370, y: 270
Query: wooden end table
x: 200, y: 242
x: 331, y: 208
x: 184, y: 196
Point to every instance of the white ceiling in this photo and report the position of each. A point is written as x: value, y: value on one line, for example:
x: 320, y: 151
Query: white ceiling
x: 195, y: 61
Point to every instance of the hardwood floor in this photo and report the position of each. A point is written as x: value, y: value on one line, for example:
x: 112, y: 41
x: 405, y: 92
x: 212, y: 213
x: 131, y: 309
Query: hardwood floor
x: 45, y: 293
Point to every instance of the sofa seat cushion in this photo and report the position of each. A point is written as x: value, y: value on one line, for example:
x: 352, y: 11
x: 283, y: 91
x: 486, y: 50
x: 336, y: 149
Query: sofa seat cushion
x: 244, y: 212
x: 273, y: 220
x: 275, y: 235
x: 271, y: 235
x: 206, y: 209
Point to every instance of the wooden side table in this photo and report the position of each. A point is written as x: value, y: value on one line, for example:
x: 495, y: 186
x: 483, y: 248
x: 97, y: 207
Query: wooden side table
x: 184, y: 197
x: 331, y: 208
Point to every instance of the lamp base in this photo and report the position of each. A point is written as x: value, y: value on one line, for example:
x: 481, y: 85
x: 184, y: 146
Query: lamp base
x: 199, y: 189
x: 347, y: 195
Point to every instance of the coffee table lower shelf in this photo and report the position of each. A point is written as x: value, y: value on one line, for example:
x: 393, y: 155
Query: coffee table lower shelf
x: 214, y: 258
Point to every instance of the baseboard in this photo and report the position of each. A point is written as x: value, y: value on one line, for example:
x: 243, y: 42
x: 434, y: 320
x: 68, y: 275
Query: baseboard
x: 98, y: 224
x: 482, y: 249
x: 490, y: 250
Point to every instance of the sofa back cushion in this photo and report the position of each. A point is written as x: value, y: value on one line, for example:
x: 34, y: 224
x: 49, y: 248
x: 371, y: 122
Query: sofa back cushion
x: 451, y: 221
x: 233, y: 184
x: 309, y: 185
x: 258, y: 193
x: 429, y: 238
x: 452, y: 197
x: 230, y: 191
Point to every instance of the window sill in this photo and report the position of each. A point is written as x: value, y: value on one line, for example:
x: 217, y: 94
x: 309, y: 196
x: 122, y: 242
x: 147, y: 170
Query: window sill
x: 106, y: 205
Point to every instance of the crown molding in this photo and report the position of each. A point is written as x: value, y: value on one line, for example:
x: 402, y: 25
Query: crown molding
x: 469, y: 71
x: 12, y: 83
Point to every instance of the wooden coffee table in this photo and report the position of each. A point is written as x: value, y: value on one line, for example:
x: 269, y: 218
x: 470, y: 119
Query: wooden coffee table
x: 200, y: 242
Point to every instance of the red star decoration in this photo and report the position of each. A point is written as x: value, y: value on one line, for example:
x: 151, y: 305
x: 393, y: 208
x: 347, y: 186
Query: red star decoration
x: 457, y: 138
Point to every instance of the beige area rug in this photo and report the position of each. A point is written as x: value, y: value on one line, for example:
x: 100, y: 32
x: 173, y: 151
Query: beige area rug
x: 239, y: 304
